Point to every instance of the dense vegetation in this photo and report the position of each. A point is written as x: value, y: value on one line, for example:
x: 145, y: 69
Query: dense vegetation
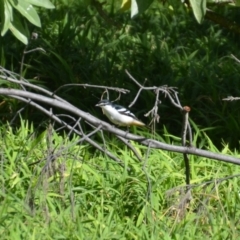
x: 84, y: 194
x: 163, y: 45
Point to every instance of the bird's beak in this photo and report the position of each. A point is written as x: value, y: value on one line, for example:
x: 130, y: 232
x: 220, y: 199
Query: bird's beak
x: 97, y: 105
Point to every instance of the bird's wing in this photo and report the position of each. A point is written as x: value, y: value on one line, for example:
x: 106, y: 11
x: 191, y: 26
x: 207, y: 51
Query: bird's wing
x: 124, y: 111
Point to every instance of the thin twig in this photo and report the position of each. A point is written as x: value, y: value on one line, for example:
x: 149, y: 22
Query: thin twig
x: 149, y: 183
x: 27, y: 84
x: 149, y: 187
x: 235, y: 58
x: 90, y: 141
x: 230, y: 98
x: 34, y: 50
x: 173, y: 96
x: 131, y: 147
x: 105, y: 91
x: 85, y: 85
x: 186, y: 111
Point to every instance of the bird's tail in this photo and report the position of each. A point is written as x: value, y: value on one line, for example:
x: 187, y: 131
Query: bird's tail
x: 138, y: 123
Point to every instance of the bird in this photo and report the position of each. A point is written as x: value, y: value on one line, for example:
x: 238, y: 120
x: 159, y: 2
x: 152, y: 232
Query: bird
x: 119, y: 115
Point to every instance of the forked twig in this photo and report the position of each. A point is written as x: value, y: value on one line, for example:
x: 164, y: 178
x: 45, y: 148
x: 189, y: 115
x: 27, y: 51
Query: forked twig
x: 172, y: 94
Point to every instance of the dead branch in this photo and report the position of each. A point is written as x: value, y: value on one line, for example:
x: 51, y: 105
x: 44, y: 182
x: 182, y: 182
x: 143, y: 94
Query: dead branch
x: 230, y: 98
x: 25, y: 95
x: 63, y: 123
x: 235, y: 58
x: 172, y: 94
x: 85, y: 85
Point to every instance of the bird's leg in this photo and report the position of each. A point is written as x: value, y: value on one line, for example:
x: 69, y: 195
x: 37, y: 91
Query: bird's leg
x: 127, y: 131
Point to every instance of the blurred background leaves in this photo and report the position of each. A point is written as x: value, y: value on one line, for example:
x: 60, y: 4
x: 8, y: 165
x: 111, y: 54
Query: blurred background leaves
x: 94, y: 42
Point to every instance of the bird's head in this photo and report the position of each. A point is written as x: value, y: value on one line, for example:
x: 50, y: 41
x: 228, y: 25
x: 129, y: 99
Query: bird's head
x: 103, y: 102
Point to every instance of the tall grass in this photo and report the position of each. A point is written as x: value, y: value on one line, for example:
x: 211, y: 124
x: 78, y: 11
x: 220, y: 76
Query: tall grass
x: 52, y: 188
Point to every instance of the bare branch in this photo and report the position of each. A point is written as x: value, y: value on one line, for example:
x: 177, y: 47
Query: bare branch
x: 230, y: 98
x: 136, y: 97
x: 102, y: 96
x: 58, y: 120
x: 154, y: 111
x: 235, y: 58
x: 131, y: 147
x: 85, y: 85
x: 107, y: 127
x: 27, y: 84
x: 34, y: 50
x: 185, y: 111
x: 27, y: 52
x: 172, y: 94
x: 185, y: 123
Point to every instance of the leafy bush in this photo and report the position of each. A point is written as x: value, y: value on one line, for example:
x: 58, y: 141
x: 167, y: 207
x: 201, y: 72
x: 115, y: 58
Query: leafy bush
x: 13, y: 14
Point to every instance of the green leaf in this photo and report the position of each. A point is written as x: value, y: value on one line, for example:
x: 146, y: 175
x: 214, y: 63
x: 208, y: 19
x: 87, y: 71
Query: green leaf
x: 28, y: 11
x: 139, y: 6
x: 42, y: 3
x: 192, y: 55
x: 18, y: 30
x: 6, y: 11
x: 199, y: 9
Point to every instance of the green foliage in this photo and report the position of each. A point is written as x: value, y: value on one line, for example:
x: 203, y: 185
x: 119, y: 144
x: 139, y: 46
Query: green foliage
x: 11, y: 20
x: 83, y: 194
x: 165, y: 45
x: 199, y: 9
x: 72, y: 192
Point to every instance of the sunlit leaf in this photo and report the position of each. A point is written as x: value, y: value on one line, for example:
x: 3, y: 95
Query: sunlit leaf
x: 42, y: 3
x: 28, y: 11
x: 199, y: 9
x: 139, y: 6
x: 6, y: 11
x: 126, y: 5
x: 18, y: 30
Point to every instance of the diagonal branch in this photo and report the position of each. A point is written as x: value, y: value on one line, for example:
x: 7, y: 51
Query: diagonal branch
x: 112, y: 129
x: 85, y: 85
x: 60, y: 121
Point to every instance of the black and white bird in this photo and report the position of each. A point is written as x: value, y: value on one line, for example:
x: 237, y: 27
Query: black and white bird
x: 119, y: 115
